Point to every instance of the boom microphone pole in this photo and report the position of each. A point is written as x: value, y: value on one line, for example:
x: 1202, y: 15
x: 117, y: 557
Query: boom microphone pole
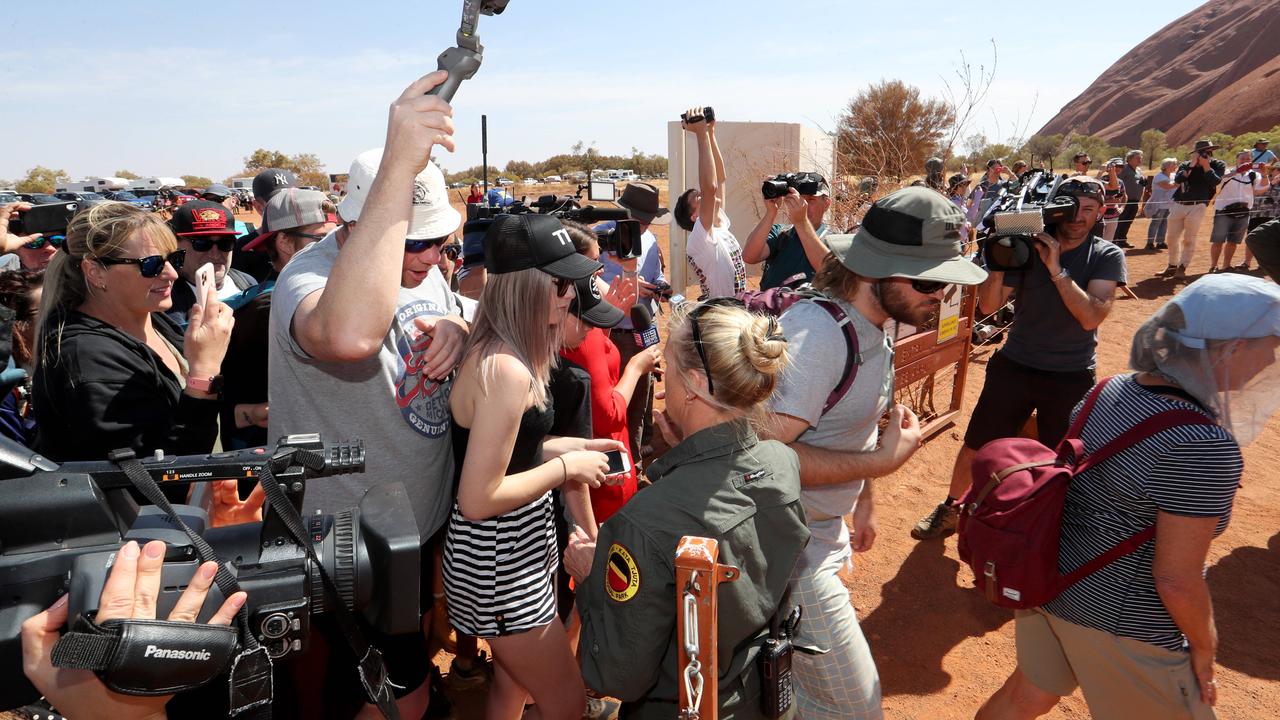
x: 484, y: 153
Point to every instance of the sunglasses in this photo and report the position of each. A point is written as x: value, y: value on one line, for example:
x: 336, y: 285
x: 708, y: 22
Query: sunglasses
x: 562, y: 286
x: 696, y: 331
x: 151, y: 265
x: 927, y: 287
x: 55, y: 240
x: 204, y: 244
x: 1080, y: 188
x: 413, y: 247
x: 1085, y: 162
x: 453, y: 251
x: 316, y: 237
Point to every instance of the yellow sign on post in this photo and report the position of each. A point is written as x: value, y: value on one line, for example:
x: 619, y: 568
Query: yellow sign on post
x: 949, y: 314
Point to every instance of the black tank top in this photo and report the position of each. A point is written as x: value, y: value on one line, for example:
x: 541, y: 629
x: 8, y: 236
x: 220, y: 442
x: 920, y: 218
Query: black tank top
x: 535, y: 423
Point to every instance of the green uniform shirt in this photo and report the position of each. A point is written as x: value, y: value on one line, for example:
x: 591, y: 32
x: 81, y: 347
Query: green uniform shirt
x: 722, y: 483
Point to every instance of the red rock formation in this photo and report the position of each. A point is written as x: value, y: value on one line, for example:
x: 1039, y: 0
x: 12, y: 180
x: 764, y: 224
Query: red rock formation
x: 1215, y: 69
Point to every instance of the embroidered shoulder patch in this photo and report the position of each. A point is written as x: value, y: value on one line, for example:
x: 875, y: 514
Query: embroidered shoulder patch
x: 622, y: 577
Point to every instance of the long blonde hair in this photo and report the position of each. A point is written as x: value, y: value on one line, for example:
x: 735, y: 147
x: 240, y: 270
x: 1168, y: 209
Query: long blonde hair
x: 515, y: 311
x: 99, y: 231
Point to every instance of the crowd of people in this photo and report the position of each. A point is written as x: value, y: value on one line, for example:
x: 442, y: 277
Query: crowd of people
x: 499, y: 376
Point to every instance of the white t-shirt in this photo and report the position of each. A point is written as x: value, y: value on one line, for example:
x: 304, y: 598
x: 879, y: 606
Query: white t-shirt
x: 716, y: 259
x: 1237, y: 189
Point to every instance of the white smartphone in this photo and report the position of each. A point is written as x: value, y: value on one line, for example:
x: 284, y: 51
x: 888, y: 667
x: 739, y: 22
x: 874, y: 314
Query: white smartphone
x: 206, y: 287
x: 619, y: 462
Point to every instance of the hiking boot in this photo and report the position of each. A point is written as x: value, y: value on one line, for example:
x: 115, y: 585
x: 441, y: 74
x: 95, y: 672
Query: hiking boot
x: 1162, y: 246
x: 478, y: 676
x: 1168, y: 272
x: 1181, y: 273
x: 938, y: 524
x: 1149, y: 246
x: 1123, y: 244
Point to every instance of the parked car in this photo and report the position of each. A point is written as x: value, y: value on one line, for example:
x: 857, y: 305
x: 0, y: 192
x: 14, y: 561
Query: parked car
x: 8, y: 197
x: 129, y: 197
x: 84, y: 198
x: 38, y: 198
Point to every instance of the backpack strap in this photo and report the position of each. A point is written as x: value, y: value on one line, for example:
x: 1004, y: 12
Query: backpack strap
x: 852, y: 357
x: 1147, y: 428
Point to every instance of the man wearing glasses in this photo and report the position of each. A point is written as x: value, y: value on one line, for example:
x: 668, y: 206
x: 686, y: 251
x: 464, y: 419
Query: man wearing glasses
x: 896, y: 267
x: 364, y: 336
x: 207, y: 231
x: 1047, y: 364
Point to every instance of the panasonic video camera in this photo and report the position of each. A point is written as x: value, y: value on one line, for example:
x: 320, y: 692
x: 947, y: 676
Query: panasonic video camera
x: 1008, y: 228
x: 61, y: 525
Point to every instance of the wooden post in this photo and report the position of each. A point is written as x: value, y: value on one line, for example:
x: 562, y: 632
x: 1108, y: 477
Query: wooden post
x: 919, y: 356
x: 698, y: 573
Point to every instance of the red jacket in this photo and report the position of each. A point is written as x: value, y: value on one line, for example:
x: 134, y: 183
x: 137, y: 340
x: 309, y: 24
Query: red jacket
x: 599, y: 357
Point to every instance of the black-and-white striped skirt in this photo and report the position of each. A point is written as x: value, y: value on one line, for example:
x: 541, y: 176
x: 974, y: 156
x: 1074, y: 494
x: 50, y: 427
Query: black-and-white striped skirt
x: 499, y: 573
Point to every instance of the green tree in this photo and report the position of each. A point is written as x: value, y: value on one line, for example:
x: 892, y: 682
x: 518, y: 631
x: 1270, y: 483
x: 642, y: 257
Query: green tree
x: 1152, y: 144
x: 521, y: 169
x: 127, y: 174
x: 1098, y: 148
x: 1040, y: 148
x: 41, y: 179
x: 196, y: 181
x: 888, y: 129
x: 261, y: 159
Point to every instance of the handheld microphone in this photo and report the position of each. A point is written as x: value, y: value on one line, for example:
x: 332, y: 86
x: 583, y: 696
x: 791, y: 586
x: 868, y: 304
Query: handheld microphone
x: 646, y: 333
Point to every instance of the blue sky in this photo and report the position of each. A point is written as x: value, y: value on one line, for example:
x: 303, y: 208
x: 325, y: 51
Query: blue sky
x: 164, y: 90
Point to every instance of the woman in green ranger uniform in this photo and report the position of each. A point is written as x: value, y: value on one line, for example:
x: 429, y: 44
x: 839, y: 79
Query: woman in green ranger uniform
x: 720, y: 482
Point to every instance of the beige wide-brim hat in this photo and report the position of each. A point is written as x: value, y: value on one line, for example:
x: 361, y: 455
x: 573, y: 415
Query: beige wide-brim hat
x: 912, y: 233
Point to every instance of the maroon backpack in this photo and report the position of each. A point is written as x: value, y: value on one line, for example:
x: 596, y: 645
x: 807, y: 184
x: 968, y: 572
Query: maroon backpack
x: 1011, y: 518
x: 776, y: 300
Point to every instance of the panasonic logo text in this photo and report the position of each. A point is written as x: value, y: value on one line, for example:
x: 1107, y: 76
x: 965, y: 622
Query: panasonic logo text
x: 156, y: 652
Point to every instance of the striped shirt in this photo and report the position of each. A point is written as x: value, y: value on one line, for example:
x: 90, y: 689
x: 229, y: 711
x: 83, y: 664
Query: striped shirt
x: 1191, y: 471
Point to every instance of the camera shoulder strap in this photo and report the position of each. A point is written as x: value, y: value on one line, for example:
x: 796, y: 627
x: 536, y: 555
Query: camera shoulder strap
x: 251, y: 670
x: 372, y: 670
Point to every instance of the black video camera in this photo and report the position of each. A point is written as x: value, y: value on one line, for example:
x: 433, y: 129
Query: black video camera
x: 49, y: 219
x: 803, y: 182
x: 708, y: 114
x: 1008, y: 228
x: 60, y: 527
x: 623, y: 239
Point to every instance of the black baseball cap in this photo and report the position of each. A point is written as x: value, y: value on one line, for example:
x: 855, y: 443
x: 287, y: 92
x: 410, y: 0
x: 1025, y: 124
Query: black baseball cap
x: 272, y: 180
x: 590, y: 307
x: 201, y: 217
x: 522, y: 242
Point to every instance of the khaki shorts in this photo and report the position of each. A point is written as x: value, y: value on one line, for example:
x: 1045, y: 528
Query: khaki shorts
x: 1121, y: 678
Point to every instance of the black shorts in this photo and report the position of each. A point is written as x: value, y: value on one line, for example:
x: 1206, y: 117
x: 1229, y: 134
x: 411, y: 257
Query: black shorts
x: 1012, y: 391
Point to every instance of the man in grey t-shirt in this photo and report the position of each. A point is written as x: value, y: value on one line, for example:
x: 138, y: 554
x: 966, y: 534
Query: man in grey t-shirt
x: 1046, y: 366
x: 364, y: 335
x: 897, y: 266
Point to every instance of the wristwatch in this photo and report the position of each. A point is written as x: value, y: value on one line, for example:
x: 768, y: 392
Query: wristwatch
x: 1062, y: 275
x: 211, y: 385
